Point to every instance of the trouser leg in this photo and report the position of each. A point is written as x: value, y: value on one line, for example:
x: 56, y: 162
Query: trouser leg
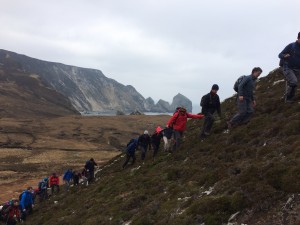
x: 127, y: 160
x: 291, y: 77
x: 144, y: 151
x: 177, y: 138
x: 155, y: 149
x: 242, y: 111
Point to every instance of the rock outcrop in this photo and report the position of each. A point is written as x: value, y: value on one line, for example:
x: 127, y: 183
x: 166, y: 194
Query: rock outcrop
x: 181, y: 100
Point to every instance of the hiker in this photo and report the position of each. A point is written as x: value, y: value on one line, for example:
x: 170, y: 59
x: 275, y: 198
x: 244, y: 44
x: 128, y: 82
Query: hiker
x: 43, y: 186
x: 167, y: 135
x: 245, y: 99
x: 210, y: 103
x: 90, y: 167
x: 26, y: 203
x: 68, y: 176
x: 155, y: 140
x: 11, y: 213
x: 178, y: 124
x: 54, y: 183
x: 130, y: 151
x: 290, y: 63
x: 76, y: 177
x: 145, y: 143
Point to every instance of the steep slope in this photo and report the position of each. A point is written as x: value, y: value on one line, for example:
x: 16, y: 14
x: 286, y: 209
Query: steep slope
x: 251, y: 174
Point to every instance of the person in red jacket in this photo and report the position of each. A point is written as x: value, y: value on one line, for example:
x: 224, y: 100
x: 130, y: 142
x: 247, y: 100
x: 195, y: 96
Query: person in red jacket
x: 54, y: 183
x: 178, y: 123
x: 12, y: 213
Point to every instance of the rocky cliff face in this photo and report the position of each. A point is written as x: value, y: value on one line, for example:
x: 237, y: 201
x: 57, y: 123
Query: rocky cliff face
x: 86, y: 89
x: 181, y: 100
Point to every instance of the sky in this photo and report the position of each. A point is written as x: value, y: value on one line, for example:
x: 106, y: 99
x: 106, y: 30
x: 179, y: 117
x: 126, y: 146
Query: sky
x: 160, y: 47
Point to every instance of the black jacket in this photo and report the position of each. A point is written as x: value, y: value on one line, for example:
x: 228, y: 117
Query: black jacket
x: 144, y: 140
x: 211, y: 103
x: 292, y: 62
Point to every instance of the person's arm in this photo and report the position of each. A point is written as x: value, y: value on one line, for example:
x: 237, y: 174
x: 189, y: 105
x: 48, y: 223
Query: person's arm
x: 285, y: 52
x: 173, y: 118
x: 22, y: 202
x: 194, y: 116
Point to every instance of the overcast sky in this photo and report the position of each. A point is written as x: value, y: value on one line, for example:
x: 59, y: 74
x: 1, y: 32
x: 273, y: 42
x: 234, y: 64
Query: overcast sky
x: 160, y: 47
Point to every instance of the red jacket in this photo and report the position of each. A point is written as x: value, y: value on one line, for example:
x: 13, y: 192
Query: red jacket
x: 14, y: 211
x: 179, y: 121
x: 54, y: 180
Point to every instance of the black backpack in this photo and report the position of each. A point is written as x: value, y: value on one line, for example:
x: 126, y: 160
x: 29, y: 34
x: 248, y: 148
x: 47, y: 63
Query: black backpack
x: 237, y: 83
x: 292, y: 50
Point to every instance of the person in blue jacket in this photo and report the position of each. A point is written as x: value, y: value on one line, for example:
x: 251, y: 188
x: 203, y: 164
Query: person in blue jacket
x: 26, y: 203
x: 68, y: 176
x: 290, y: 58
x: 130, y: 151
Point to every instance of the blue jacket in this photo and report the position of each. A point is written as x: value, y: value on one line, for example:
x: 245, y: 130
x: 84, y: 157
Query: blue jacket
x: 132, y: 147
x: 68, y: 175
x: 292, y: 62
x: 26, y: 199
x: 246, y: 87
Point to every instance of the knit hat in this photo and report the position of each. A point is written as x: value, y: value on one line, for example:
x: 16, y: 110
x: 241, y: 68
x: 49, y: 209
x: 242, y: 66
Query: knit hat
x: 215, y: 87
x: 146, y: 132
x: 298, y: 35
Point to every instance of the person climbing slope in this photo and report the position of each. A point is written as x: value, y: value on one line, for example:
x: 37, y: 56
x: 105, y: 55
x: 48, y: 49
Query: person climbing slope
x: 130, y: 151
x: 155, y: 140
x: 145, y: 142
x: 178, y: 124
x: 210, y: 103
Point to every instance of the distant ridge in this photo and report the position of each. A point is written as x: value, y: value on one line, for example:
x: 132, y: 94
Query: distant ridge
x: 86, y: 89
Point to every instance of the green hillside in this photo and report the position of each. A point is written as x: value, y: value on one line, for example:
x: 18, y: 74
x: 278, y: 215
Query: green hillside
x: 253, y: 170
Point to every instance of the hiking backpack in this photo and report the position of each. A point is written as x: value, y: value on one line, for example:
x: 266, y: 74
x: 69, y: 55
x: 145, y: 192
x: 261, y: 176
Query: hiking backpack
x: 237, y: 83
x: 292, y: 50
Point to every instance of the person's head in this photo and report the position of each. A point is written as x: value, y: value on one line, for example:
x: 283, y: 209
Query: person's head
x: 146, y: 132
x: 215, y: 88
x: 54, y: 174
x: 29, y: 188
x: 16, y: 202
x: 182, y: 110
x: 298, y: 38
x: 158, y: 129
x: 45, y: 179
x: 92, y: 159
x: 256, y: 72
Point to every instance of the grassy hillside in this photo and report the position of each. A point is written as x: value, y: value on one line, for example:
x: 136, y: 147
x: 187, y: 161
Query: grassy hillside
x: 253, y: 171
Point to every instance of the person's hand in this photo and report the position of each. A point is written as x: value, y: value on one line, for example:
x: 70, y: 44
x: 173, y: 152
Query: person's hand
x: 32, y: 205
x: 254, y: 103
x: 24, y: 210
x: 286, y: 55
x: 241, y: 98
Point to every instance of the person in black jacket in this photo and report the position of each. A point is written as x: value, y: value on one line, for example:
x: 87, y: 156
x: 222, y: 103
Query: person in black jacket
x: 145, y: 142
x: 210, y: 103
x: 290, y: 58
x: 90, y: 166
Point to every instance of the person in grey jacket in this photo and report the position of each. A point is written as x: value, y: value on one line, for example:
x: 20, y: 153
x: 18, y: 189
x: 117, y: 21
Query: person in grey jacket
x: 245, y: 99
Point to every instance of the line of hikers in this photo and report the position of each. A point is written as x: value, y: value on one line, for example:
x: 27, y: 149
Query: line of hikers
x: 210, y: 103
x: 16, y: 210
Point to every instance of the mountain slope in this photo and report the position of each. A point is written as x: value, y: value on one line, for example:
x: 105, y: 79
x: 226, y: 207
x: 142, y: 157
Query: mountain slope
x: 24, y: 95
x: 87, y: 89
x: 252, y: 172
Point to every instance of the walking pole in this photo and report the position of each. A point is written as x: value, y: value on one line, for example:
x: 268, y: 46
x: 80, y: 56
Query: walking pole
x: 286, y: 88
